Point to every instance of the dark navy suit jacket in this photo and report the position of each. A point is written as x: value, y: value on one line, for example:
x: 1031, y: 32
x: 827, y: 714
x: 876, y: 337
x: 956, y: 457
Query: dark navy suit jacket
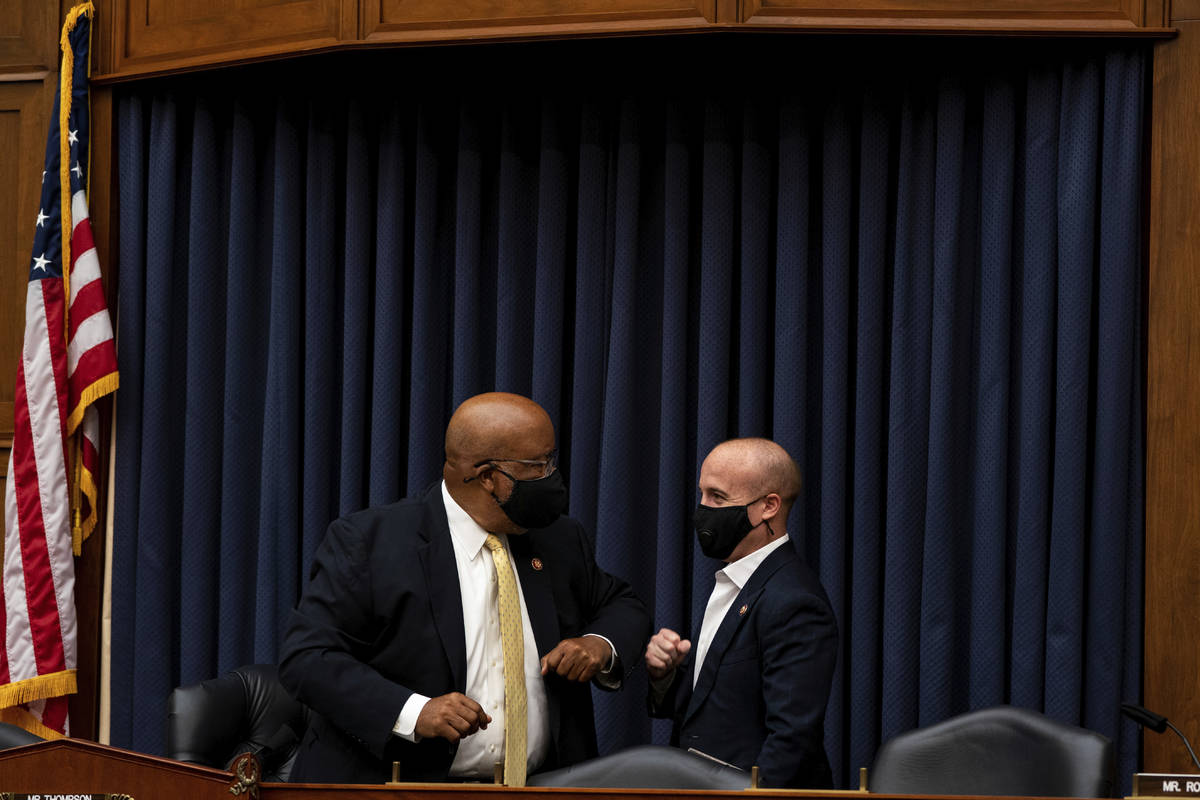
x: 382, y: 618
x: 762, y: 691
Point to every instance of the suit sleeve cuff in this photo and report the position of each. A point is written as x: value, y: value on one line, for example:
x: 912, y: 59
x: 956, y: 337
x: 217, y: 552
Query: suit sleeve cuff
x: 406, y: 723
x: 660, y: 686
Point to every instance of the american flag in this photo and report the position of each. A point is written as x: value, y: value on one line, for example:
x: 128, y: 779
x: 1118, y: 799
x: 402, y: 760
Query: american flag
x: 68, y: 361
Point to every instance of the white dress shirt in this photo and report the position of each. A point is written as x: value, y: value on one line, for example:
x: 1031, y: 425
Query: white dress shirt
x: 730, y: 581
x: 478, y: 752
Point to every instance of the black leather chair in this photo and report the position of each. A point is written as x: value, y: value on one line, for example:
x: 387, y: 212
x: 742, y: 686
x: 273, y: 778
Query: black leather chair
x: 646, y: 767
x: 245, y: 710
x: 996, y: 751
x: 13, y: 736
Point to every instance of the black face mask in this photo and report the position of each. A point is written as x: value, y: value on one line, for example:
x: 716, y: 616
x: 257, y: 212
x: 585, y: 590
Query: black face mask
x: 720, y: 529
x: 536, y: 503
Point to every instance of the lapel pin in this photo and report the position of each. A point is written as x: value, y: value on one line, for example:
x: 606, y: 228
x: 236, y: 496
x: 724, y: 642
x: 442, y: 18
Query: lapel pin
x: 742, y: 611
x: 536, y: 564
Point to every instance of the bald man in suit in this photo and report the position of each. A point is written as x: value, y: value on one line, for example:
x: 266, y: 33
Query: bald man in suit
x: 398, y: 643
x: 753, y: 690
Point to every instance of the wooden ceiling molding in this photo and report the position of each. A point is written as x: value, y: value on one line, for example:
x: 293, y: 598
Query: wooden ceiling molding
x: 167, y: 36
x: 143, y: 38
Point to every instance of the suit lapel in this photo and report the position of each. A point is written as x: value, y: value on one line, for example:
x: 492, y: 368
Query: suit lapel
x: 441, y: 580
x: 543, y: 616
x: 539, y: 597
x: 733, y: 620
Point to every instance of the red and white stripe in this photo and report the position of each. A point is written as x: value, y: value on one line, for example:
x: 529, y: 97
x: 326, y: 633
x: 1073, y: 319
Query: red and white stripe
x: 39, y: 572
x: 91, y: 354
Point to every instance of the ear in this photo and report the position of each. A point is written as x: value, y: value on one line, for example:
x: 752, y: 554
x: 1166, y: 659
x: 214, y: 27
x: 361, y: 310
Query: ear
x: 486, y: 475
x: 771, y: 505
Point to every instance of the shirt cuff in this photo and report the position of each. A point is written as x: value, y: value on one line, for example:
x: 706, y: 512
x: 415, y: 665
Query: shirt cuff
x: 406, y: 723
x: 605, y: 677
x: 612, y: 659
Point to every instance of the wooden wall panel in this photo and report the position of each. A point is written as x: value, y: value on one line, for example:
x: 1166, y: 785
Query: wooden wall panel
x: 170, y: 35
x: 1172, y: 659
x: 28, y: 39
x: 950, y: 15
x: 24, y: 111
x: 414, y: 20
x: 1183, y: 10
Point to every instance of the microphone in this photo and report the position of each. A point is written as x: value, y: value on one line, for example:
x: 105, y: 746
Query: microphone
x: 1157, y: 723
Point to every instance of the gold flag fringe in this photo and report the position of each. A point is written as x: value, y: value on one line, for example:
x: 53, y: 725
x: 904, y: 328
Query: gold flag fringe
x: 109, y: 383
x: 82, y: 529
x: 65, y: 86
x: 41, y: 687
x: 23, y: 719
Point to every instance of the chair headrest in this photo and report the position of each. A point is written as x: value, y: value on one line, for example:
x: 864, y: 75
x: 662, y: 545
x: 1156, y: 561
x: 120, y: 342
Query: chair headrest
x: 646, y: 767
x: 1000, y: 750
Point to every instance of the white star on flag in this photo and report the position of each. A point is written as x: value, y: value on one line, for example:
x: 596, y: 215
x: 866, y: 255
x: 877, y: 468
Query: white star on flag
x: 71, y: 137
x: 40, y: 262
x: 77, y: 170
x: 41, y: 218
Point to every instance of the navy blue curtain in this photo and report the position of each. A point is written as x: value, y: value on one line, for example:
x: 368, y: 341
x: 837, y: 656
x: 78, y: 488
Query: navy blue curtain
x: 916, y: 265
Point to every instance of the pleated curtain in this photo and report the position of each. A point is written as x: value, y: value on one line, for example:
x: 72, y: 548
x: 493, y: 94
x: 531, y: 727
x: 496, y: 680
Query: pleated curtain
x: 916, y: 265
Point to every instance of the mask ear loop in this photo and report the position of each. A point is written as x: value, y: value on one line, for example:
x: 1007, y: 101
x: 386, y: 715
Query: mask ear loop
x: 770, y: 531
x: 515, y: 483
x: 487, y: 461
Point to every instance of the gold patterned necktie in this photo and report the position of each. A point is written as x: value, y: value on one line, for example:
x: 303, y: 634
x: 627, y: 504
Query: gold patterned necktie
x: 512, y: 642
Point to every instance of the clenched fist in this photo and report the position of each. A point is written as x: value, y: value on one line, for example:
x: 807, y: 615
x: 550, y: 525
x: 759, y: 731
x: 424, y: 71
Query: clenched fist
x: 578, y: 659
x: 664, y: 653
x: 451, y: 716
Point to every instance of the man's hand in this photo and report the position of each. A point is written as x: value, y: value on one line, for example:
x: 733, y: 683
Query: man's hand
x: 451, y: 716
x: 664, y: 653
x: 577, y: 659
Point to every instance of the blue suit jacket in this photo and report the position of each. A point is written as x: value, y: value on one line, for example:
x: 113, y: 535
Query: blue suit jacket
x: 382, y: 618
x: 762, y: 691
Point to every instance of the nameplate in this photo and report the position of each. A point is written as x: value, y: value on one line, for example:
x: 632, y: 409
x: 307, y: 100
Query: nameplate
x: 62, y: 796
x: 1150, y: 784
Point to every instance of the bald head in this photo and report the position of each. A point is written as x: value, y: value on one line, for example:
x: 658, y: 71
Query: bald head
x: 757, y: 474
x: 498, y: 425
x: 488, y: 438
x: 760, y: 466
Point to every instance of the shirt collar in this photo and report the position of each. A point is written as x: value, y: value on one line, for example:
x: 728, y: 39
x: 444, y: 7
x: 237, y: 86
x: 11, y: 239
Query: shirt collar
x: 467, y: 534
x: 739, y: 571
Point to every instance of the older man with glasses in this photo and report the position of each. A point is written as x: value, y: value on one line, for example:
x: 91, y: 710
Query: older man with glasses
x: 463, y: 629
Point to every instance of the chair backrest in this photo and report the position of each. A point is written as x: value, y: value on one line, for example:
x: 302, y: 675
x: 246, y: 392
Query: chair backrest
x: 13, y: 736
x: 996, y: 751
x: 646, y: 767
x: 246, y: 710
